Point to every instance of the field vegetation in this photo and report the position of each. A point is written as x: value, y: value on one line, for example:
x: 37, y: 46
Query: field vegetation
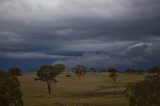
x: 93, y: 89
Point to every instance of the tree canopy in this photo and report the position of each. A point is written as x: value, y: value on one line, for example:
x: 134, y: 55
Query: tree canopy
x: 145, y: 93
x: 10, y: 94
x: 48, y: 73
x: 15, y: 71
x: 79, y: 70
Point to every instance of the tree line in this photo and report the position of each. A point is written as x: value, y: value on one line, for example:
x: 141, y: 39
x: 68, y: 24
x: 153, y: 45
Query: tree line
x: 137, y: 93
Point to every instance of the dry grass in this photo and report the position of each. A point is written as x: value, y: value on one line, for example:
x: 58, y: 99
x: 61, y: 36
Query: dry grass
x: 93, y: 89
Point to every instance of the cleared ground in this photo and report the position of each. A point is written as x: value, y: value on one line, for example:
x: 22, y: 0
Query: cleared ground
x: 93, y: 89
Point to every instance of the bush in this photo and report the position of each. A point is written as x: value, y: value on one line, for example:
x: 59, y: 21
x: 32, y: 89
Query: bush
x: 10, y: 94
x: 15, y: 71
x: 145, y: 93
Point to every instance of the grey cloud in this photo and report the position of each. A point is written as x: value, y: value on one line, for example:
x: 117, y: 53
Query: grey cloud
x: 49, y: 10
x: 31, y: 55
x: 122, y: 28
x: 94, y: 45
x: 10, y: 37
x: 135, y: 55
x: 101, y: 60
x: 139, y: 49
x: 148, y: 50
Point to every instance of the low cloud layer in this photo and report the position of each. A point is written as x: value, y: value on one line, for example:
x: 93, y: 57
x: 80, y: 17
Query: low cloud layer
x: 110, y: 32
x: 31, y: 55
x: 134, y: 56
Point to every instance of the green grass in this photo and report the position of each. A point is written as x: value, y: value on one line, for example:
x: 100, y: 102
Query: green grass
x: 93, y: 89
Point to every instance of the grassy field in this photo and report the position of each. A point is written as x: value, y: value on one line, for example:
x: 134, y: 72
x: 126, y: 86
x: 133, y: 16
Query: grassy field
x: 93, y: 89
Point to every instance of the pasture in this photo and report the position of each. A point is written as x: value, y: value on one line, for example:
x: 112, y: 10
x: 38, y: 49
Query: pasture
x: 93, y: 89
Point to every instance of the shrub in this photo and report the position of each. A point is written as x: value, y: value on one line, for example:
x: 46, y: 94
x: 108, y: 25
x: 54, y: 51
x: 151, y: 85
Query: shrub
x: 145, y: 93
x: 10, y: 94
x: 15, y: 71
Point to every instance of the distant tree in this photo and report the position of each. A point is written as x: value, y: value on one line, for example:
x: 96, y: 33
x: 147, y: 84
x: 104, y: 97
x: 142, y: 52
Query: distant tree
x: 113, y: 74
x: 145, y: 93
x: 48, y: 73
x: 93, y: 69
x: 79, y: 70
x: 153, y: 70
x: 112, y: 70
x: 15, y: 71
x: 135, y: 71
x: 10, y: 94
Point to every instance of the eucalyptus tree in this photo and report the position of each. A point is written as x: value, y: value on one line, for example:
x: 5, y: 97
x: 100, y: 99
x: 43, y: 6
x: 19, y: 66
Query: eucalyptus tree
x: 10, y: 93
x: 48, y: 73
x: 145, y: 93
x: 113, y: 74
x: 79, y: 70
x: 15, y: 71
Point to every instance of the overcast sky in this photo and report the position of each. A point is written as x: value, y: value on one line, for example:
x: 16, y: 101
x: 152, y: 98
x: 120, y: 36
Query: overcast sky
x: 96, y: 33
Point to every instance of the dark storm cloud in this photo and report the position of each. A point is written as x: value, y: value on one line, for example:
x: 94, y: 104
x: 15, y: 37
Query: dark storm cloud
x: 120, y: 28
